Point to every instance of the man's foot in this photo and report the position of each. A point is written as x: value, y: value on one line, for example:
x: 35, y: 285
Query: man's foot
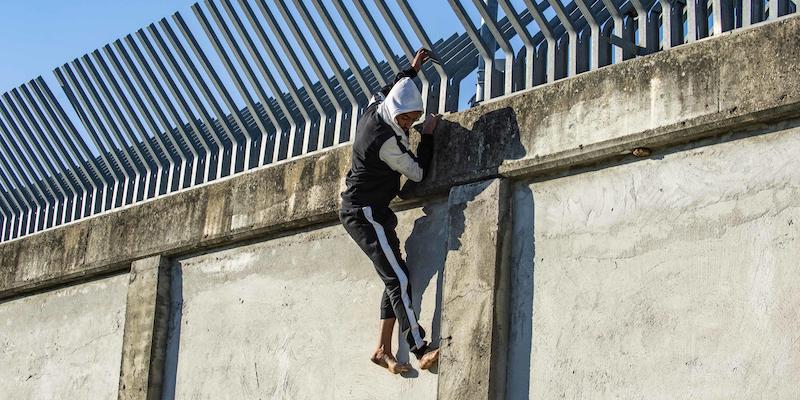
x: 429, y: 359
x: 389, y: 362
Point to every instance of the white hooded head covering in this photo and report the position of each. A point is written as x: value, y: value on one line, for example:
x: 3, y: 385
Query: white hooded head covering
x: 404, y: 97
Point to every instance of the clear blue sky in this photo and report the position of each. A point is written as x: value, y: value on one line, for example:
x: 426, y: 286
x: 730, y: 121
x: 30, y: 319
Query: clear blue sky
x: 38, y: 35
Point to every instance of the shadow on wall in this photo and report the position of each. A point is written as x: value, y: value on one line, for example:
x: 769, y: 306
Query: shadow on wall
x: 494, y: 137
x: 173, y: 333
x: 522, y: 264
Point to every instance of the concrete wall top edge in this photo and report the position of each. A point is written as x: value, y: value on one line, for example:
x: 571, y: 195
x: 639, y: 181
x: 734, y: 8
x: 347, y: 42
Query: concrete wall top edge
x: 708, y: 87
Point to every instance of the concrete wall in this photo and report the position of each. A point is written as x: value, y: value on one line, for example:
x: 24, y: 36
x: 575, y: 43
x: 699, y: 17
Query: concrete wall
x: 674, y: 277
x: 668, y: 277
x: 63, y: 344
x: 296, y: 317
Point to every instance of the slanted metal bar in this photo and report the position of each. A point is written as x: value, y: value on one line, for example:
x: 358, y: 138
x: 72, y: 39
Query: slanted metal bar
x: 70, y: 136
x: 185, y: 134
x: 70, y: 157
x: 594, y: 28
x: 178, y: 96
x: 300, y: 70
x: 360, y: 42
x: 120, y: 154
x: 114, y: 127
x: 228, y: 64
x: 444, y: 82
x: 204, y: 89
x: 256, y: 85
x: 24, y: 171
x: 11, y: 164
x: 140, y: 133
x: 475, y: 37
x: 616, y: 16
x: 547, y: 31
x: 491, y: 24
x: 277, y: 93
x: 331, y: 60
x: 343, y: 47
x: 524, y: 35
x: 48, y: 191
x: 50, y: 158
x: 87, y: 115
x: 17, y: 195
x: 641, y: 15
x: 277, y: 62
x: 323, y: 78
x: 386, y: 50
x: 107, y: 131
x: 568, y: 24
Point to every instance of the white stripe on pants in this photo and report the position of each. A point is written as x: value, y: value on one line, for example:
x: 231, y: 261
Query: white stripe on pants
x: 401, y: 276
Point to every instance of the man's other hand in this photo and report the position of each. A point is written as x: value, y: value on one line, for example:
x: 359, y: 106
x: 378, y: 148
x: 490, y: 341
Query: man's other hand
x: 420, y: 58
x: 430, y: 124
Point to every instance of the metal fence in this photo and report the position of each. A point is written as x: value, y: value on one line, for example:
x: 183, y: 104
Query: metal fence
x: 237, y: 86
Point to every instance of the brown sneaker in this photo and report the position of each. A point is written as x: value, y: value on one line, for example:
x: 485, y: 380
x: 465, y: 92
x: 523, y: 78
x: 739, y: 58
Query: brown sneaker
x: 429, y: 359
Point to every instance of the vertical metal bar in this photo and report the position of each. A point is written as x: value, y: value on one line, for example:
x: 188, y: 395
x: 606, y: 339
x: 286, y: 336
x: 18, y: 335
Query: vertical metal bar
x: 616, y: 16
x: 228, y: 64
x: 491, y: 24
x: 747, y: 12
x: 340, y: 43
x: 567, y: 23
x: 360, y: 42
x: 66, y: 127
x: 722, y: 14
x: 87, y: 115
x: 180, y: 126
x: 641, y: 15
x: 691, y: 20
x: 299, y: 69
x: 323, y: 78
x: 524, y: 35
x: 316, y: 34
x: 277, y: 62
x: 254, y: 83
x: 277, y: 93
x: 594, y: 26
x: 233, y: 109
x: 54, y: 163
x: 177, y: 95
x: 475, y: 37
x: 48, y: 191
x: 140, y: 133
x: 546, y: 30
x: 666, y: 24
x: 204, y: 89
x: 104, y: 103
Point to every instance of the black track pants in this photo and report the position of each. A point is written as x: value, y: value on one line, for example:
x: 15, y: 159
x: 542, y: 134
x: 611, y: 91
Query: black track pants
x: 373, y: 228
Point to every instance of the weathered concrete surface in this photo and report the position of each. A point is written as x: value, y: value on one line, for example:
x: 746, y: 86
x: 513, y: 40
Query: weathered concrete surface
x: 671, y: 278
x: 145, y: 337
x: 63, y: 344
x: 297, y: 317
x: 670, y: 97
x: 474, y: 323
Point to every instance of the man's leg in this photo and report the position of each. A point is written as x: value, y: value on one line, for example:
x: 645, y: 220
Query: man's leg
x: 374, y: 233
